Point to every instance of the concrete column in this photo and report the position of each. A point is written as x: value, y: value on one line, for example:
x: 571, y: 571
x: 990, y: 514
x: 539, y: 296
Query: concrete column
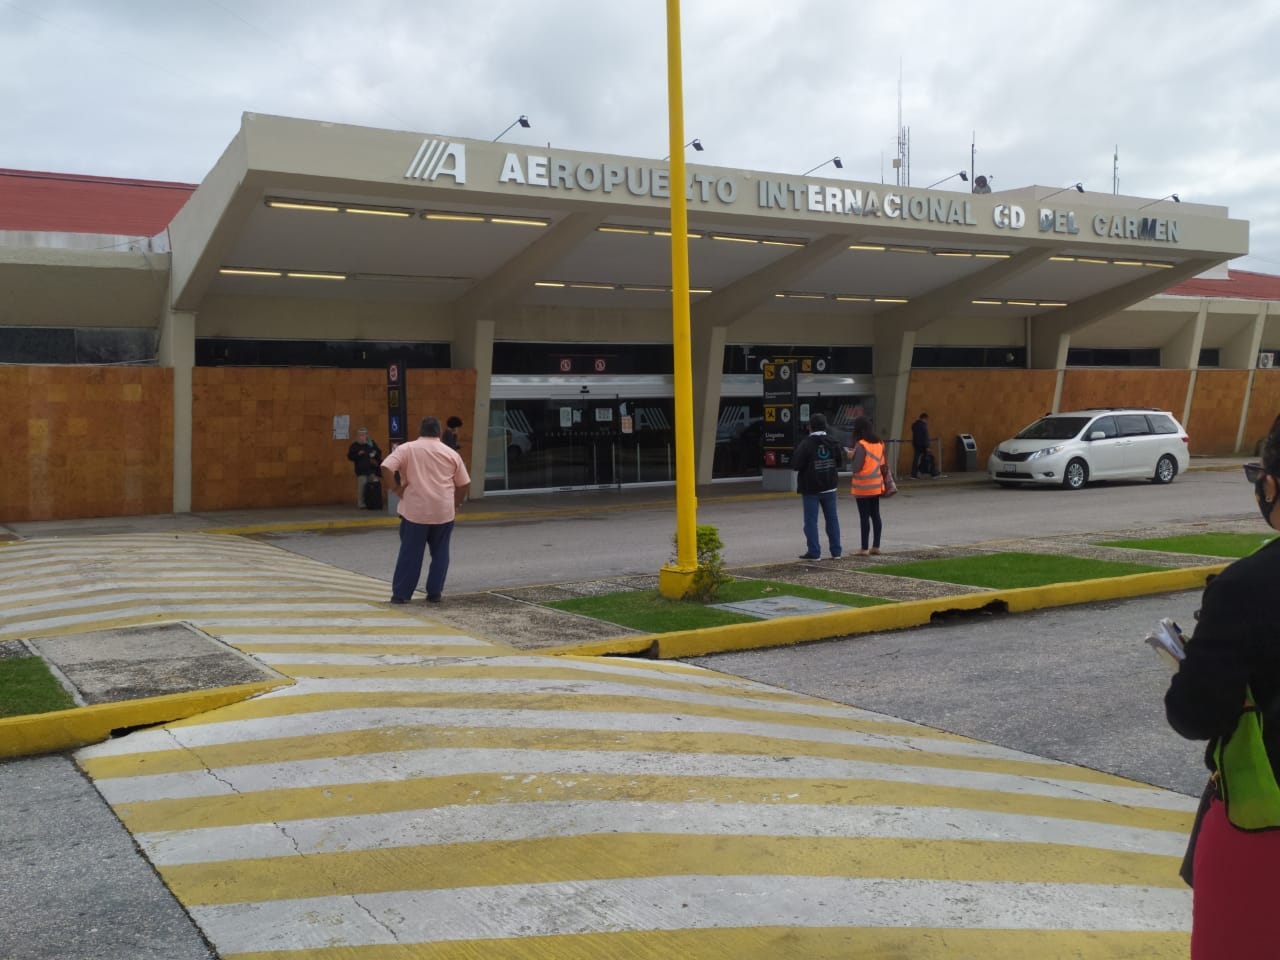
x: 707, y: 348
x: 473, y: 348
x: 1182, y: 350
x: 1241, y: 351
x: 177, y: 350
x: 1047, y: 350
x: 891, y: 373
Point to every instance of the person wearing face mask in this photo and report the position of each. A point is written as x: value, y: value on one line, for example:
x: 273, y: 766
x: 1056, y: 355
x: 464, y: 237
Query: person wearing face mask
x: 1236, y: 645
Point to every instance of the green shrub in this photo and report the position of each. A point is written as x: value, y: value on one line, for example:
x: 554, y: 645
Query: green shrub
x: 710, y: 575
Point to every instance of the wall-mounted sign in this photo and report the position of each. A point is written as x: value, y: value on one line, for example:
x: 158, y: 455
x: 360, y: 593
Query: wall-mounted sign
x: 397, y: 403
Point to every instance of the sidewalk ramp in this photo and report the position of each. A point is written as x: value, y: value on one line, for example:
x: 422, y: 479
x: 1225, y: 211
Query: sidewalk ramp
x: 421, y: 793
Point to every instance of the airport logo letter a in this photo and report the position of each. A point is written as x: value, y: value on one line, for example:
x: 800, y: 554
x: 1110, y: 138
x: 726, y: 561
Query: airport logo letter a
x: 439, y: 158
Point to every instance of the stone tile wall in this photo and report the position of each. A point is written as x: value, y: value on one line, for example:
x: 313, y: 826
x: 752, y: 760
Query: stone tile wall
x: 85, y: 442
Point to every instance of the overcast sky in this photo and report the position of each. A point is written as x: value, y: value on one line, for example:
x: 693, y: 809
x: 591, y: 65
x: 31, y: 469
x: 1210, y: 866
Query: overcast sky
x: 1186, y: 92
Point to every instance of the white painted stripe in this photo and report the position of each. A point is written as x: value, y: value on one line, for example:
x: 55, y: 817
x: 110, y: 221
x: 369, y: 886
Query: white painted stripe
x: 695, y: 689
x: 494, y: 822
x: 409, y: 764
x: 374, y: 636
x: 208, y: 619
x: 325, y: 722
x: 747, y: 693
x: 685, y: 902
x: 387, y: 659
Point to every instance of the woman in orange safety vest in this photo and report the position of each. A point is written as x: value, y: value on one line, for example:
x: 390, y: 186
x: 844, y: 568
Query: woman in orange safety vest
x: 866, y: 457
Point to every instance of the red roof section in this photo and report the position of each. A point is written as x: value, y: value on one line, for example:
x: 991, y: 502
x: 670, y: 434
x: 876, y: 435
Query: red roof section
x: 70, y: 203
x: 1239, y: 285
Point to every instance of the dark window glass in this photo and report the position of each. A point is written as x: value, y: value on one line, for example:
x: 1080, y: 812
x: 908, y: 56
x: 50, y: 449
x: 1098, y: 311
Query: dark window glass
x: 350, y: 354
x: 512, y: 357
x: 750, y: 358
x: 89, y: 345
x: 1209, y: 357
x: 1098, y: 357
x: 933, y: 357
x: 1053, y: 428
x: 1161, y: 424
x: 1107, y: 426
x: 1132, y: 425
x: 96, y: 345
x: 37, y: 345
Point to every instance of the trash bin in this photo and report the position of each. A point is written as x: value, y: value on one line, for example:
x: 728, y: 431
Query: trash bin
x: 966, y: 452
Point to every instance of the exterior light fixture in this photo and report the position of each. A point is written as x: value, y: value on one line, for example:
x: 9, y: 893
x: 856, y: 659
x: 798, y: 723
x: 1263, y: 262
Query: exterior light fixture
x: 961, y: 174
x: 1077, y: 187
x: 522, y: 120
x: 1172, y: 196
x: 695, y: 143
x: 834, y: 161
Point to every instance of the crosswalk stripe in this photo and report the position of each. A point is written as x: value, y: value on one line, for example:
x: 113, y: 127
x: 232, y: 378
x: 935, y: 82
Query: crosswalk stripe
x: 542, y: 819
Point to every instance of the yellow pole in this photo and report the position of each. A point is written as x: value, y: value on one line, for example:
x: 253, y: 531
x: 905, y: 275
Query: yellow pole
x: 676, y: 580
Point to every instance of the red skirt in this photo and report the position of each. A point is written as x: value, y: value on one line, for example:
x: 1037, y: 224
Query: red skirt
x: 1236, y: 891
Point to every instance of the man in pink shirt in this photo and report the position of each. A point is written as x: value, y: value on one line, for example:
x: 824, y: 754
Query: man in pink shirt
x: 433, y: 483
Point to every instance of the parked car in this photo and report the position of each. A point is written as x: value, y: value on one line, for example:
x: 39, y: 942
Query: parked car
x: 1071, y: 449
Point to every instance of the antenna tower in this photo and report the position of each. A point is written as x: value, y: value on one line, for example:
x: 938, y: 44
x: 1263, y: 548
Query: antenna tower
x: 902, y: 163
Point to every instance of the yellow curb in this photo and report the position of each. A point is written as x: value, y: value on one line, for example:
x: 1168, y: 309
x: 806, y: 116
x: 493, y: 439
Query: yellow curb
x: 59, y: 730
x: 617, y: 647
x: 785, y: 631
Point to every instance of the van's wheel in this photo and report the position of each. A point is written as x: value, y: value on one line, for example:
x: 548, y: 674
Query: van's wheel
x: 1166, y: 469
x: 1076, y: 475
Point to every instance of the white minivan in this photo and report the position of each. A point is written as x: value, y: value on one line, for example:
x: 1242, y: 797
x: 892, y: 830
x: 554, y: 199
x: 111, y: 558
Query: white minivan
x: 1071, y: 449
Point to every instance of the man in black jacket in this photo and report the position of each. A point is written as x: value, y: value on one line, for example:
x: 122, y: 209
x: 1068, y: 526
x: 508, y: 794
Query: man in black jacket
x: 364, y: 453
x: 817, y: 462
x: 921, y: 458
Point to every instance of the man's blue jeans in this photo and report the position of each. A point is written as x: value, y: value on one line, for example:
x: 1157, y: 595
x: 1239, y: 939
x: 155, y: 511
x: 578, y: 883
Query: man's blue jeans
x: 827, y: 503
x: 415, y: 540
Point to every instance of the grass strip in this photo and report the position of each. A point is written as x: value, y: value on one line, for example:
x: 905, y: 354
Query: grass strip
x: 27, y: 686
x: 1007, y: 571
x: 1233, y: 545
x: 651, y: 612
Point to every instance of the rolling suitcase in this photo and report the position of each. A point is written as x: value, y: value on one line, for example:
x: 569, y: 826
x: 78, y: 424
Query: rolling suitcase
x: 373, y: 495
x: 928, y: 464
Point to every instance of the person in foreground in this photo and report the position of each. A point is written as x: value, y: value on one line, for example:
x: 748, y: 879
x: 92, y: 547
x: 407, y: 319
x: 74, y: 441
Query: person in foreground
x: 432, y: 482
x: 1235, y: 873
x: 866, y: 457
x: 817, y: 464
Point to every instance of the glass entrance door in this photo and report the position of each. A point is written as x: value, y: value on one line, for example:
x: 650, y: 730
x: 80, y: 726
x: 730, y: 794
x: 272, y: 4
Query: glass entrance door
x: 585, y: 440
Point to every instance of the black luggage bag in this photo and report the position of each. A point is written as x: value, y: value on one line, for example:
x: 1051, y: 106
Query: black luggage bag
x: 928, y: 464
x: 373, y: 494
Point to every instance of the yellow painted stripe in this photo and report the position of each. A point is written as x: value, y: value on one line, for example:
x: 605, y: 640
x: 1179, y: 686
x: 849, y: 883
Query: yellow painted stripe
x: 355, y: 799
x: 594, y: 857
x: 777, y: 943
x: 424, y: 736
x: 33, y: 734
x: 557, y: 703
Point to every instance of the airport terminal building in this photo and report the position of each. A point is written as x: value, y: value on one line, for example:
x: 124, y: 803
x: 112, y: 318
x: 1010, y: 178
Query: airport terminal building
x: 174, y: 347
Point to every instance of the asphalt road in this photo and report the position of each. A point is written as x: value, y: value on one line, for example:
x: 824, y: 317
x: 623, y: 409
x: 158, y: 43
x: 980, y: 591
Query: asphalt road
x: 1076, y: 684
x: 630, y: 542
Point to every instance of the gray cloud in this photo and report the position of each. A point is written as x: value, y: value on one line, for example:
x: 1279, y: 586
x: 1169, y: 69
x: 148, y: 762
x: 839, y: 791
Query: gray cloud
x: 1045, y: 93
